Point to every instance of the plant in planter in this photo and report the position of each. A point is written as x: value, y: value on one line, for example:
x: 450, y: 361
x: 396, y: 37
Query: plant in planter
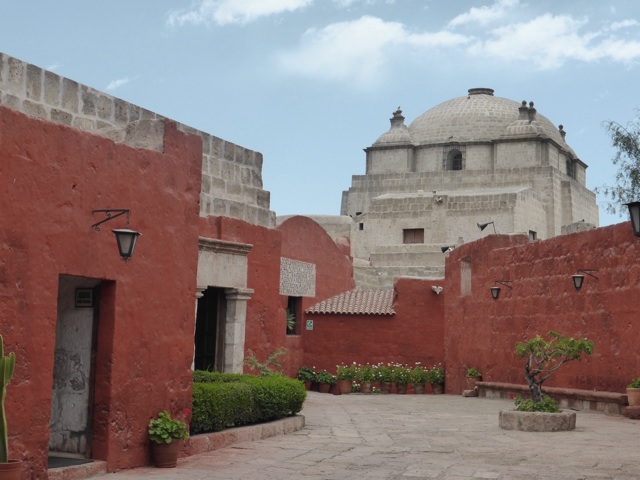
x: 325, y: 380
x: 633, y: 392
x: 418, y: 377
x: 9, y: 469
x: 401, y: 377
x: 163, y: 431
x: 366, y: 375
x: 306, y: 375
x: 385, y: 377
x: 435, y: 378
x: 544, y: 357
x: 346, y: 375
x: 473, y: 376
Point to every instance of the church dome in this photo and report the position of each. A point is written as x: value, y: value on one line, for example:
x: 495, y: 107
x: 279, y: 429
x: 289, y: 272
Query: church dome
x: 479, y: 116
x: 398, y: 133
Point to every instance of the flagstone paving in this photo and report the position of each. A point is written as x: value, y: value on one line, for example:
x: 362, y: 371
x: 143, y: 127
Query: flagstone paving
x: 418, y: 437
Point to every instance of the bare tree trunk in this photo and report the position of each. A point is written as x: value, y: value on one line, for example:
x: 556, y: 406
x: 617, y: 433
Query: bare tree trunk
x: 534, y: 386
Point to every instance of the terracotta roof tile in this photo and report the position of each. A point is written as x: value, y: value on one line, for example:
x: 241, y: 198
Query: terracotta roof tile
x: 357, y: 302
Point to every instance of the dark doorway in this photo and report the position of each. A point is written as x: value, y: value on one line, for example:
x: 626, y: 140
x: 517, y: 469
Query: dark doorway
x: 209, y: 330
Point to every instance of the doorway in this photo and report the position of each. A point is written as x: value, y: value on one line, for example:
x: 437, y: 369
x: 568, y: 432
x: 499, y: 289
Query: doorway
x: 209, y: 336
x: 71, y: 420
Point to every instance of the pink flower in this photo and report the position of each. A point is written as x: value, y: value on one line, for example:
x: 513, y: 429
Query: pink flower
x: 512, y: 395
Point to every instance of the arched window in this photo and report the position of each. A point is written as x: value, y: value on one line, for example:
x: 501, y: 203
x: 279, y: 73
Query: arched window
x: 453, y: 157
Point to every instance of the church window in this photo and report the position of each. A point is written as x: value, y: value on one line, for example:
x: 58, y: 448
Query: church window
x: 413, y: 235
x: 570, y: 168
x: 453, y: 157
x: 361, y: 226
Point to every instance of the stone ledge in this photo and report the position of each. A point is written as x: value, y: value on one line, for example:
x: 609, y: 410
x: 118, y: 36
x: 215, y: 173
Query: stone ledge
x: 78, y: 472
x: 537, y: 421
x: 208, y: 442
x: 606, y: 402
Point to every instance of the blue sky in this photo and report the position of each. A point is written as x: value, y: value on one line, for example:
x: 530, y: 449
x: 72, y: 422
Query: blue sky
x: 311, y: 83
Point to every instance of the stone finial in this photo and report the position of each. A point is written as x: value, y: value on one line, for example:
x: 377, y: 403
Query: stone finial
x: 523, y: 111
x: 562, y: 132
x: 397, y: 120
x: 532, y: 112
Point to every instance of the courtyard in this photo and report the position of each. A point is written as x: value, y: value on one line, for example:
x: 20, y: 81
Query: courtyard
x: 445, y: 437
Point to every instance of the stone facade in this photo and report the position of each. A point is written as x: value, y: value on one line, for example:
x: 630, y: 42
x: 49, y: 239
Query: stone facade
x: 473, y: 159
x: 231, y: 174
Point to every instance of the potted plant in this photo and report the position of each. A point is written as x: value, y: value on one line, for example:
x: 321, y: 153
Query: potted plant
x: 163, y: 431
x: 543, y: 358
x: 418, y: 378
x: 401, y: 377
x: 365, y: 375
x: 473, y: 376
x: 307, y: 376
x: 633, y: 392
x: 435, y: 378
x: 325, y: 380
x: 9, y: 469
x: 346, y: 375
x: 385, y: 377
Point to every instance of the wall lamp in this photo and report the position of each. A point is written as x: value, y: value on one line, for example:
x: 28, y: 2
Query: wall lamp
x: 495, y: 290
x: 125, y: 238
x: 634, y: 213
x: 578, y: 278
x: 482, y: 226
x: 447, y: 248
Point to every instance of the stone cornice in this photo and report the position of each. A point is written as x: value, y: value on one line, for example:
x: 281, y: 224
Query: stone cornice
x: 223, y: 246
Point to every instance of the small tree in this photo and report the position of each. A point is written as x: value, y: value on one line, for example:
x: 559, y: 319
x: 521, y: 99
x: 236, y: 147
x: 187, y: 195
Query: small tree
x: 626, y: 140
x: 544, y: 357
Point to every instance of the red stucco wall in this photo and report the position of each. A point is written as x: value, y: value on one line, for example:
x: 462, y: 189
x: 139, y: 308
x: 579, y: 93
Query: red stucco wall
x: 482, y: 333
x: 52, y: 179
x: 414, y: 334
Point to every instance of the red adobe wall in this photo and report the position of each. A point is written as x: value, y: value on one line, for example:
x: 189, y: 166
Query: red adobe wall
x: 305, y: 240
x: 414, y: 334
x: 53, y: 177
x: 482, y: 333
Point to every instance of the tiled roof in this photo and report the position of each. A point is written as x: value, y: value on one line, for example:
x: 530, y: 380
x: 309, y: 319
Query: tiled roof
x: 357, y: 302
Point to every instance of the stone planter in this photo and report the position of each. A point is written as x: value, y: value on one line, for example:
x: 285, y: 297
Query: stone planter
x: 437, y: 388
x: 401, y: 388
x: 324, y: 387
x: 346, y: 386
x: 366, y: 387
x: 385, y: 387
x: 418, y: 388
x: 537, y: 421
x: 633, y: 396
x: 471, y: 382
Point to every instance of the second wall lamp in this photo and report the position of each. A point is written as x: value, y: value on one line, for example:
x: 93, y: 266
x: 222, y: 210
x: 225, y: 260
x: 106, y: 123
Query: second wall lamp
x: 125, y: 238
x: 578, y: 278
x: 495, y: 290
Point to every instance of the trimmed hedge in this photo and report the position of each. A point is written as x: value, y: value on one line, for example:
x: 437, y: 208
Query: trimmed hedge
x: 223, y: 400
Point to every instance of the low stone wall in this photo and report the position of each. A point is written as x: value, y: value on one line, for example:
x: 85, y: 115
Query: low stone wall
x: 537, y: 421
x: 611, y: 403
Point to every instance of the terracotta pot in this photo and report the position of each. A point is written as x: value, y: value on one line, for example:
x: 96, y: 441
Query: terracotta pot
x: 365, y: 387
x: 438, y: 388
x: 11, y: 470
x: 346, y: 386
x: 165, y: 455
x: 324, y: 387
x: 418, y: 388
x: 401, y: 389
x: 307, y: 385
x: 385, y: 387
x: 633, y: 396
x: 335, y: 389
x: 471, y: 382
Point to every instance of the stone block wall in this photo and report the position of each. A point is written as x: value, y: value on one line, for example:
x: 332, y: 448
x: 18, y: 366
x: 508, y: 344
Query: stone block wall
x: 231, y: 175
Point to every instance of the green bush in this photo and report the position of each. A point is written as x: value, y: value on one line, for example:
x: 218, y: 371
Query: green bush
x: 547, y: 404
x: 222, y: 400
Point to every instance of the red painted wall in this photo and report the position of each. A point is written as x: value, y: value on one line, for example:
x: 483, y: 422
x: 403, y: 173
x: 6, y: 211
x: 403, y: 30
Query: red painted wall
x: 482, y: 333
x: 305, y: 240
x: 52, y: 179
x: 414, y: 334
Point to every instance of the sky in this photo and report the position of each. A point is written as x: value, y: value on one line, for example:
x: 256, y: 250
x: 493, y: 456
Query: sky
x: 311, y: 83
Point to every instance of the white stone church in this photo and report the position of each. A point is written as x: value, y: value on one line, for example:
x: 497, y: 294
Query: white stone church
x: 475, y: 159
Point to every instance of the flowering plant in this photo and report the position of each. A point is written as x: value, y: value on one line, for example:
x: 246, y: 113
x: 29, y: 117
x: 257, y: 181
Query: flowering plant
x: 401, y: 374
x: 419, y: 375
x: 635, y: 383
x: 435, y: 375
x: 306, y: 374
x: 165, y: 429
x: 347, y: 372
x: 472, y: 372
x: 325, y: 377
x: 366, y: 373
x: 385, y: 372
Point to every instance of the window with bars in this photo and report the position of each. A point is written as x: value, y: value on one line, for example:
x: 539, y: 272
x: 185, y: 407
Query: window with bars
x: 453, y: 157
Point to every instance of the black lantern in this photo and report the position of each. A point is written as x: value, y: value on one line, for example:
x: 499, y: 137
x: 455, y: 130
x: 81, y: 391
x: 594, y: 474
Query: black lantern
x: 495, y: 290
x: 578, y: 278
x: 126, y: 242
x: 634, y: 213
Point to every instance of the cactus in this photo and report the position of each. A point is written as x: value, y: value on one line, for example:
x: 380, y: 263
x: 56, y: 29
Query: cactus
x: 7, y: 364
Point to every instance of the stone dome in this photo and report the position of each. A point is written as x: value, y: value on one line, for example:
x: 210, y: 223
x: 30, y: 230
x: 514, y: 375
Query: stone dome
x: 478, y: 116
x: 398, y: 134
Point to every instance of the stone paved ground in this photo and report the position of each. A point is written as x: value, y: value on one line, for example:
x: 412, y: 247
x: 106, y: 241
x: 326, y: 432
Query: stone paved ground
x: 419, y: 437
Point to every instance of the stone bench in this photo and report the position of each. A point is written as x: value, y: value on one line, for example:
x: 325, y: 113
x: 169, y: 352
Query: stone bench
x: 611, y: 403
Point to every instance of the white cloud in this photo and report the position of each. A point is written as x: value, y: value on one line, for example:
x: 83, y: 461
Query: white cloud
x: 624, y: 24
x: 550, y: 41
x: 115, y: 84
x: 484, y: 15
x: 224, y: 12
x: 356, y: 50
